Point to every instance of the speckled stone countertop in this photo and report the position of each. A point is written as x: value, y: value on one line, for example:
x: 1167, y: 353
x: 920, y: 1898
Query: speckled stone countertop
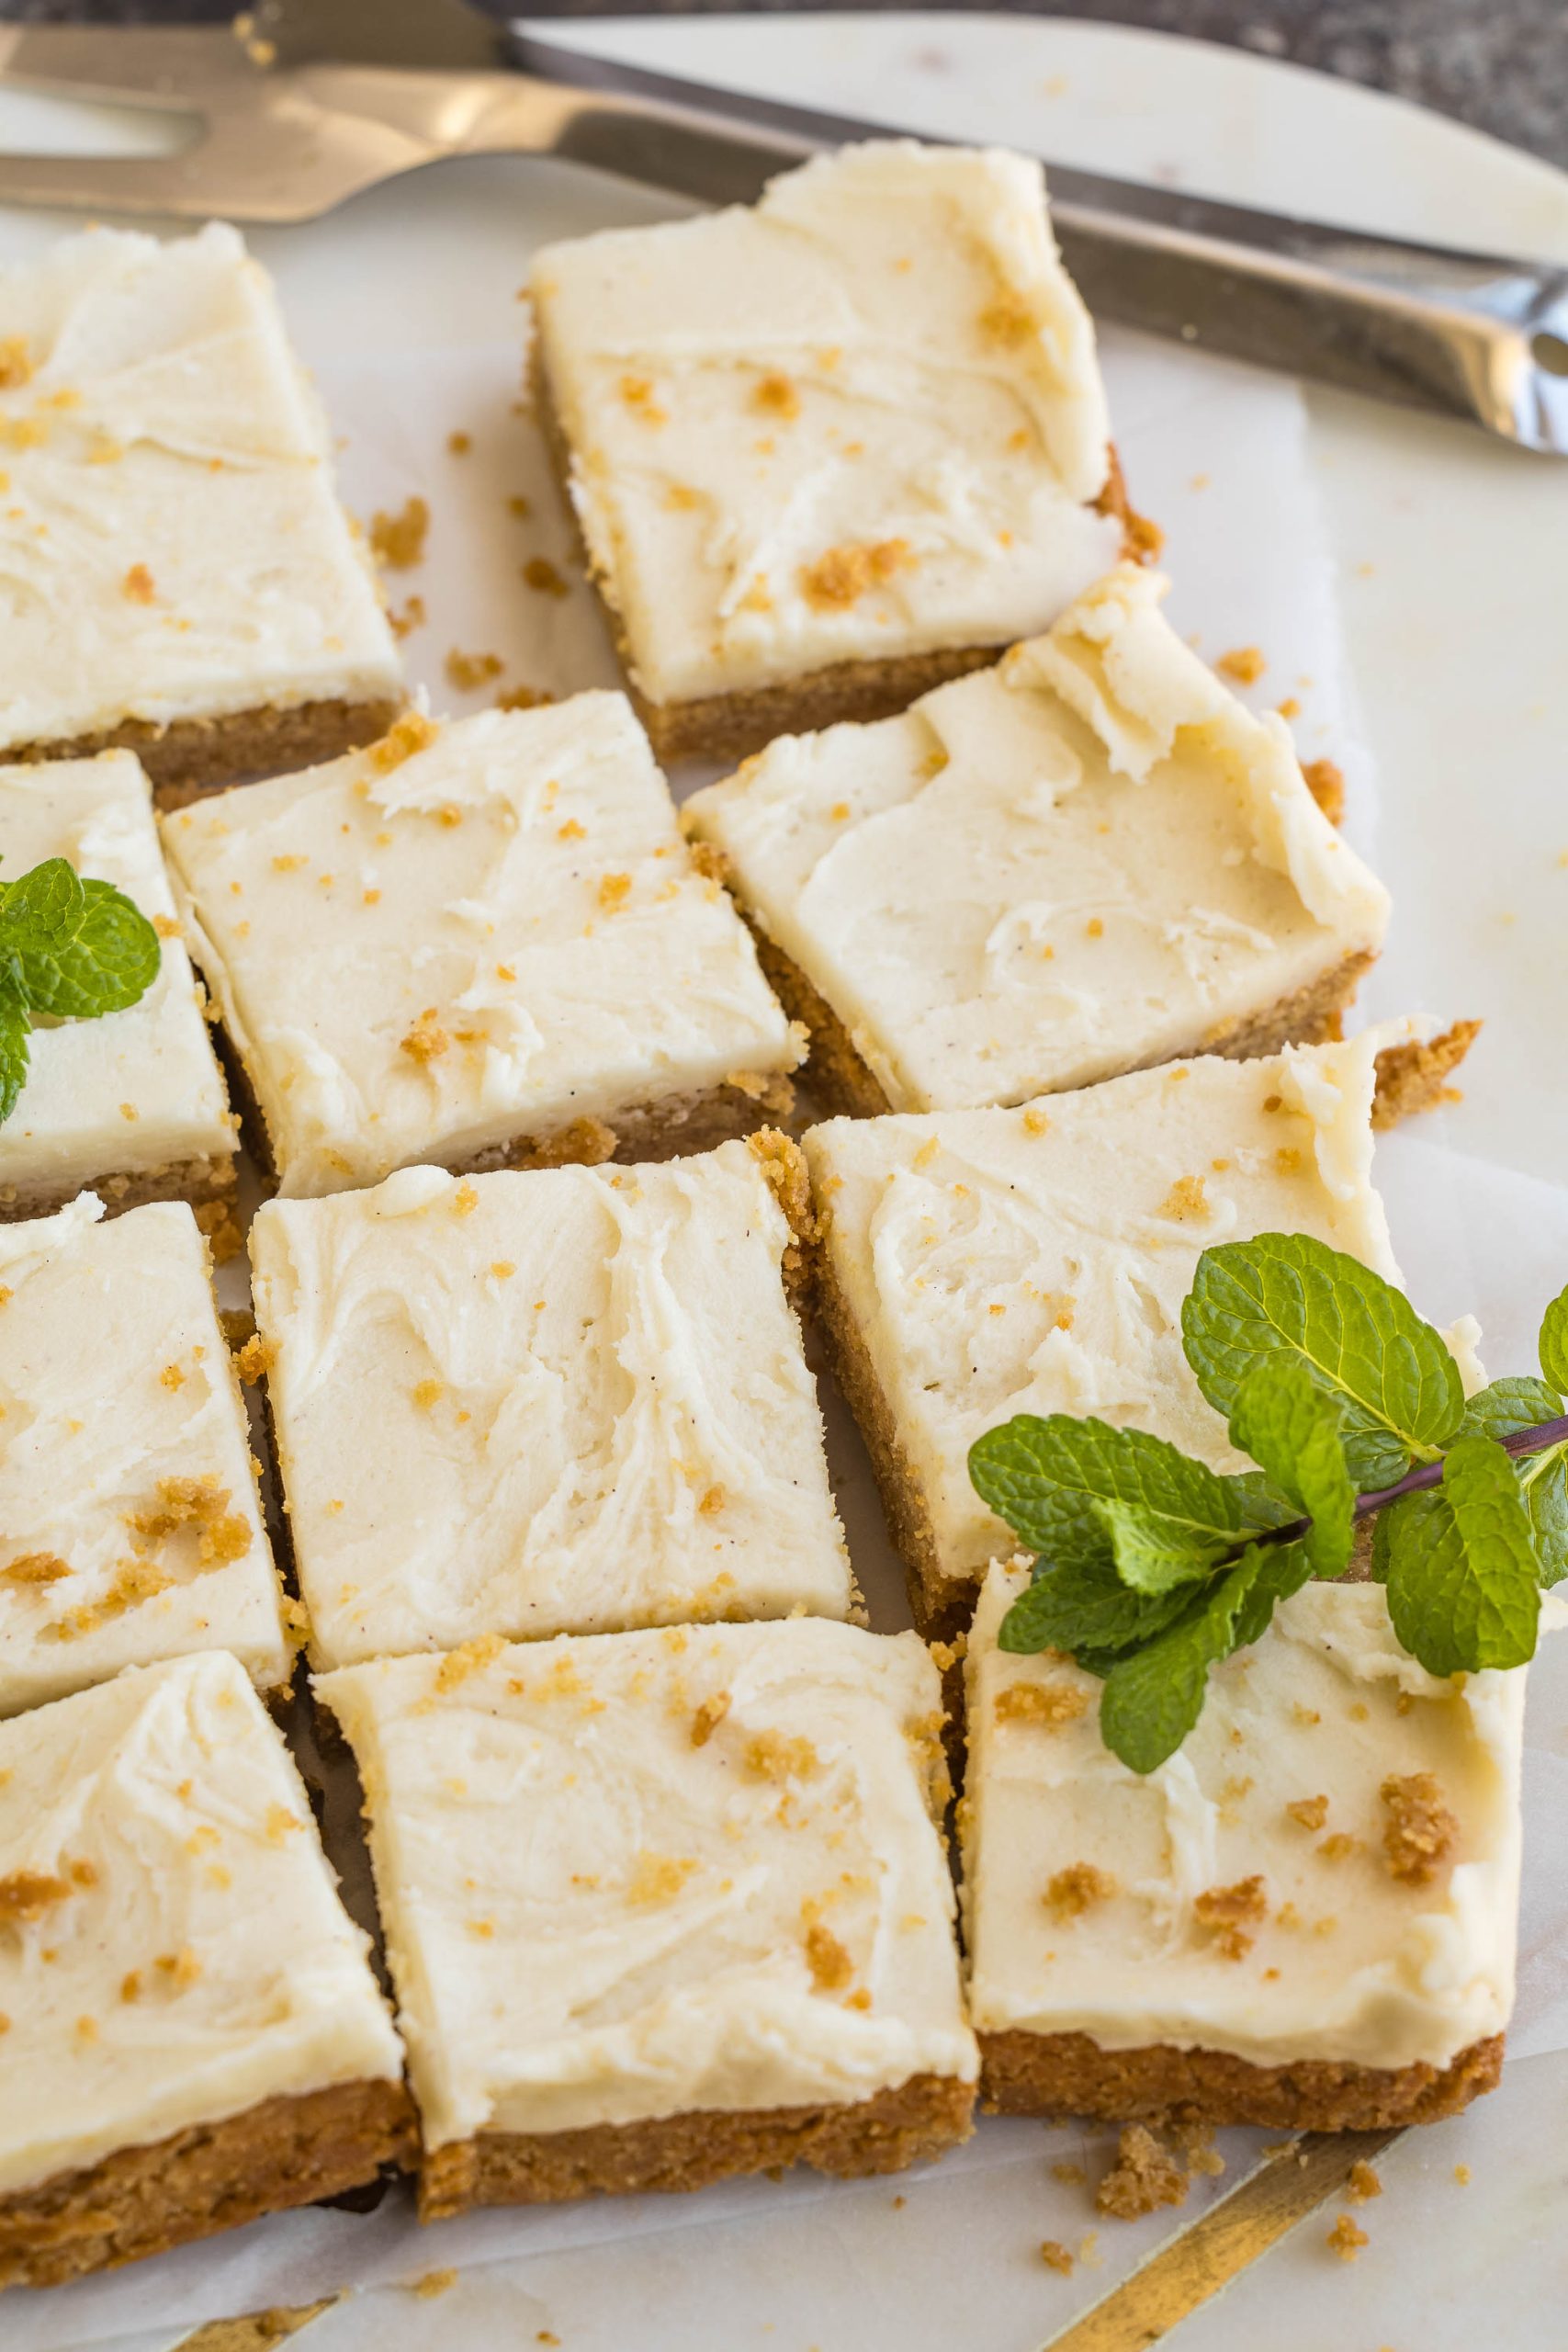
x: 1499, y: 65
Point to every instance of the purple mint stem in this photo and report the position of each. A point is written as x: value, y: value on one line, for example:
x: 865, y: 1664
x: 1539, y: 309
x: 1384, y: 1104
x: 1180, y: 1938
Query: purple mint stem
x: 1429, y: 1474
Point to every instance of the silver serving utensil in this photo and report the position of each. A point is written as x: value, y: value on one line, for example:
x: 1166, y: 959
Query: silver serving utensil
x: 307, y: 102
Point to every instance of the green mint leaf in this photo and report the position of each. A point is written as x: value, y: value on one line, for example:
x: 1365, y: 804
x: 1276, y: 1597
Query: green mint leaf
x: 41, y: 909
x: 1262, y: 1506
x: 1152, y: 1553
x: 1084, y: 1608
x: 1358, y: 1338
x: 108, y: 961
x: 1152, y: 1699
x: 1291, y: 1426
x: 1543, y: 1481
x: 1554, y: 1343
x: 14, y: 1028
x: 1503, y: 1407
x: 1460, y: 1564
x: 1284, y: 1568
x: 1045, y: 1478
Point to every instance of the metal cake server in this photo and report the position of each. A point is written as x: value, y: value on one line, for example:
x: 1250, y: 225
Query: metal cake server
x: 305, y: 103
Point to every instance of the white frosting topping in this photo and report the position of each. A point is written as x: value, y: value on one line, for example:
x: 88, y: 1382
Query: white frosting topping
x: 115, y: 1379
x: 186, y: 1955
x: 1084, y: 1884
x: 1035, y: 1261
x: 862, y: 419
x: 657, y: 1872
x: 1088, y: 858
x: 129, y: 1089
x: 570, y: 1400
x: 169, y: 543
x: 496, y: 935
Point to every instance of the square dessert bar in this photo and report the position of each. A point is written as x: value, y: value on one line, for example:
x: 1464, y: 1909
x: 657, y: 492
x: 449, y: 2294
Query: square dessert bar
x: 832, y: 448
x: 1088, y: 859
x: 192, y: 2033
x: 664, y: 1907
x: 1306, y: 1918
x: 569, y: 1401
x: 131, y: 1103
x: 130, y: 1526
x: 180, y: 576
x: 976, y: 1264
x: 482, y: 943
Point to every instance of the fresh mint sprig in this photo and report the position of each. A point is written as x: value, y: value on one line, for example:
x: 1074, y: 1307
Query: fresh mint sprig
x: 69, y: 949
x: 1151, y: 1567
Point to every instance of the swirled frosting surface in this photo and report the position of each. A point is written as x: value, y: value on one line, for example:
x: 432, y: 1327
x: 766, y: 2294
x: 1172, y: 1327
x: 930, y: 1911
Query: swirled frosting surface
x: 567, y: 1400
x: 171, y: 544
x: 173, y: 1950
x: 129, y: 1527
x: 1254, y: 1895
x: 1088, y: 858
x: 655, y: 1873
x: 862, y: 419
x: 473, y: 931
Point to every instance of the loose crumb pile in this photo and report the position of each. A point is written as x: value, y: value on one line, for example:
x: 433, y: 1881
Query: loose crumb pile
x: 398, y: 539
x: 1346, y: 2238
x: 1145, y: 2176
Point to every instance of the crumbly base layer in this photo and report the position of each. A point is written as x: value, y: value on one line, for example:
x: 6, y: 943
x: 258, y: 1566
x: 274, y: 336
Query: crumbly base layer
x: 731, y: 726
x: 923, y: 2117
x: 211, y: 2177
x: 672, y: 1127
x: 196, y: 1181
x: 186, y: 757
x: 941, y: 1608
x: 843, y: 1082
x: 1068, y: 2073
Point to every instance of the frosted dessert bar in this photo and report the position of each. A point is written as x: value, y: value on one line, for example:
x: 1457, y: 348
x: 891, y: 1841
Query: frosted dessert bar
x: 568, y: 1401
x: 131, y: 1103
x: 482, y: 943
x: 129, y: 1527
x: 725, y: 1942
x: 832, y: 448
x: 1086, y: 860
x: 976, y: 1264
x: 1306, y: 1918
x: 192, y: 2033
x: 184, y: 580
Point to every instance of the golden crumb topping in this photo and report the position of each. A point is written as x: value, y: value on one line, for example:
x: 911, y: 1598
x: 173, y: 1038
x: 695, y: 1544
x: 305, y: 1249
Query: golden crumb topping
x: 426, y: 1041
x: 1047, y: 1703
x: 708, y: 1716
x: 411, y: 733
x: 15, y: 362
x: 775, y: 395
x: 35, y: 1567
x: 1310, y: 1812
x: 1078, y: 1889
x: 841, y: 576
x: 1245, y: 663
x: 138, y: 585
x: 659, y: 1878
x: 1228, y: 1915
x: 1420, y: 1831
x: 1346, y: 2238
x: 831, y: 1966
x: 779, y: 1755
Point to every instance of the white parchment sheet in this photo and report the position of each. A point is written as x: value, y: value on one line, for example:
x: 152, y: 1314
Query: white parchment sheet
x: 405, y: 308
